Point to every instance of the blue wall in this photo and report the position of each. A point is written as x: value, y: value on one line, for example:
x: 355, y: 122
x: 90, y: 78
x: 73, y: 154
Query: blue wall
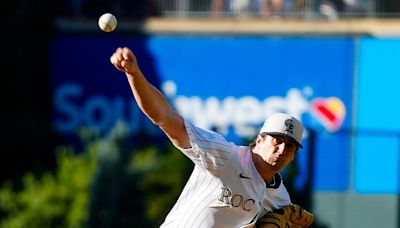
x: 377, y: 150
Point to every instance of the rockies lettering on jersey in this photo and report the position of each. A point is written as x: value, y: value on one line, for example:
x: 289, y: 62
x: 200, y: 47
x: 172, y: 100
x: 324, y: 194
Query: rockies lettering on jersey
x: 236, y: 200
x: 224, y: 189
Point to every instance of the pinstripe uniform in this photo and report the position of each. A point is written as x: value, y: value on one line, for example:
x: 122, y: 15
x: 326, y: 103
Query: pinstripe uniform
x: 224, y: 189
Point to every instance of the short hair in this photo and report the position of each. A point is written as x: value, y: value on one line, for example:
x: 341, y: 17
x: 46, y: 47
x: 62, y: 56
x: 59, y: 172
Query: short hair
x: 253, y: 144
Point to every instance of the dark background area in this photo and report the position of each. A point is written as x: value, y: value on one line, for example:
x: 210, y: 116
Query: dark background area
x: 27, y: 140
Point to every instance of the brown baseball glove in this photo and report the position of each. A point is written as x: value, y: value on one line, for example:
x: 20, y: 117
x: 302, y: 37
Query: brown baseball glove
x: 290, y: 216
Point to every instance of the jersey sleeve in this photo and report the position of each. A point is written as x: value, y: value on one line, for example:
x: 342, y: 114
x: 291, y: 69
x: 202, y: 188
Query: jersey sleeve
x: 209, y: 149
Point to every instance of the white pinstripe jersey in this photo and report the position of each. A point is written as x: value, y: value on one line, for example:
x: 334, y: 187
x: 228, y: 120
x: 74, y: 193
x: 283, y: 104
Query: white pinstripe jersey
x: 224, y: 189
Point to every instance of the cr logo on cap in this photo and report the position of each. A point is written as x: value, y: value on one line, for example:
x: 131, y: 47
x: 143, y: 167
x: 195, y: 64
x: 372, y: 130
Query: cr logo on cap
x: 289, y: 126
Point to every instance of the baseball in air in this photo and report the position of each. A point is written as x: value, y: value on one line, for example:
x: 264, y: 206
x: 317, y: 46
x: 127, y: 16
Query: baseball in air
x: 107, y: 22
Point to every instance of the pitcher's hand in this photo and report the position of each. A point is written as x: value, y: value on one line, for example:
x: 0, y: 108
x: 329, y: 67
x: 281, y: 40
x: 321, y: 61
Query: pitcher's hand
x: 124, y: 60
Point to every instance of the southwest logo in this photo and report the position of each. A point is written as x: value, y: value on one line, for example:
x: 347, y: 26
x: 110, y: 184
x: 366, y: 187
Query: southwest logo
x: 330, y: 112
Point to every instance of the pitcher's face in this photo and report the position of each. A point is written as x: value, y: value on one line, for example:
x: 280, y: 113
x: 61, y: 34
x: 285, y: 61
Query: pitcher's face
x: 277, y: 151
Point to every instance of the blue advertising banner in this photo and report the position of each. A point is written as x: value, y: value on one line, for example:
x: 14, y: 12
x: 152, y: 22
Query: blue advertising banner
x: 227, y: 83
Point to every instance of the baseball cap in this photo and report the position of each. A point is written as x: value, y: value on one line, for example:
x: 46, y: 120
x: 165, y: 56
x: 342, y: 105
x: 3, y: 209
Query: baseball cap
x: 286, y: 125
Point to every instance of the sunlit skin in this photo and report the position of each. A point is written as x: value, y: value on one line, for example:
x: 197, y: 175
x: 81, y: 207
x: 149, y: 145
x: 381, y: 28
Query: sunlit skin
x: 272, y: 153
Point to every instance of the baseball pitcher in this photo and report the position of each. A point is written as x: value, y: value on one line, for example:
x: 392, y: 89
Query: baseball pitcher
x: 231, y: 185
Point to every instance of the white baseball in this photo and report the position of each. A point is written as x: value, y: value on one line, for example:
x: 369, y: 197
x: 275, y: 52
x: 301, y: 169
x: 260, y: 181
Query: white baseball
x: 107, y: 22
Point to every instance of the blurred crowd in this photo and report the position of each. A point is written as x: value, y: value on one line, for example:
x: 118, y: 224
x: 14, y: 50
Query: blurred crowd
x: 134, y: 9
